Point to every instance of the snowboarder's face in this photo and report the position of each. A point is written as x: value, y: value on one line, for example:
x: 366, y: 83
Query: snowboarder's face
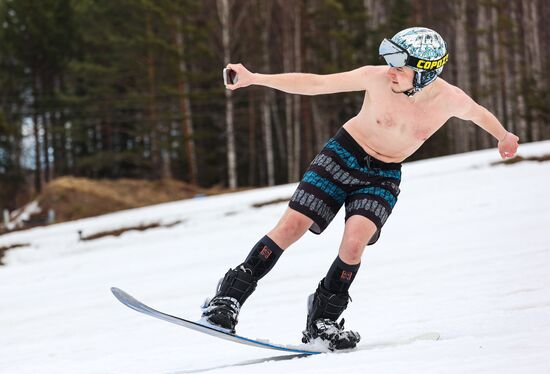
x: 400, y: 78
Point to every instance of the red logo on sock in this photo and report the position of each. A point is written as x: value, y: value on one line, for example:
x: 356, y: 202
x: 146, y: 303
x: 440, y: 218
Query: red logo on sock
x: 266, y: 252
x: 346, y: 275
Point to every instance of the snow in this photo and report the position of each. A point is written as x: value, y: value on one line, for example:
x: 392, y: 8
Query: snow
x: 466, y: 253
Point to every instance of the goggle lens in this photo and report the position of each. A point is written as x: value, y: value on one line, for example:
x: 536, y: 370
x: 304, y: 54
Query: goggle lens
x: 394, y: 55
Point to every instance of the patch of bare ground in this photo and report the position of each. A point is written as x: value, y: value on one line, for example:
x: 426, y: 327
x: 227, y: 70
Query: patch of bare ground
x: 270, y: 202
x: 4, y: 249
x: 122, y: 230
x: 74, y: 198
x: 517, y: 159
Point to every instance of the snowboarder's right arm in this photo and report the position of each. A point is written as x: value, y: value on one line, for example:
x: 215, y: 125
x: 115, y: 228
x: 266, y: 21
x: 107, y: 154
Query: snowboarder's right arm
x: 303, y: 83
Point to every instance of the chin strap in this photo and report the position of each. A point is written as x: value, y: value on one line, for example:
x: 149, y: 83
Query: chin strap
x: 417, y: 84
x: 416, y: 88
x: 411, y: 92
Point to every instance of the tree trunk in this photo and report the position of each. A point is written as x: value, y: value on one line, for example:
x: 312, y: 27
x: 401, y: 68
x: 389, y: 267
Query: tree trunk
x: 518, y: 76
x: 484, y: 68
x: 278, y: 129
x: 315, y: 123
x: 376, y: 16
x: 37, y: 158
x: 251, y: 139
x: 544, y: 13
x: 158, y: 159
x: 288, y: 67
x: 463, y: 131
x: 320, y: 125
x: 505, y: 73
x: 498, y: 76
x: 268, y: 95
x: 223, y: 12
x: 297, y: 99
x: 36, y: 132
x: 46, y: 145
x: 534, y: 58
x: 185, y: 107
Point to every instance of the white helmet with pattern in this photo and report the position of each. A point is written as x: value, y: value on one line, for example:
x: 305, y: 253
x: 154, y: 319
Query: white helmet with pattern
x: 419, y: 48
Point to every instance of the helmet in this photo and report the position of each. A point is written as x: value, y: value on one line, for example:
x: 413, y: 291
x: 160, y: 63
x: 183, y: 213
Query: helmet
x: 419, y: 48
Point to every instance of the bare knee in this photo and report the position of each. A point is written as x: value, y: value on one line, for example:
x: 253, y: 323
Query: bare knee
x: 351, y: 249
x: 293, y: 225
x: 290, y: 228
x: 357, y: 234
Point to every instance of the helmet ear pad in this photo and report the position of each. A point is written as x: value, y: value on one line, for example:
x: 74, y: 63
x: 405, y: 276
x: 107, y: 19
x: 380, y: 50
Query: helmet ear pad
x: 422, y: 78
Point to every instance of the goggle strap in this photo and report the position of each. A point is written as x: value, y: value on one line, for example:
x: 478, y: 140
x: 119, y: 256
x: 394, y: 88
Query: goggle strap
x: 427, y: 64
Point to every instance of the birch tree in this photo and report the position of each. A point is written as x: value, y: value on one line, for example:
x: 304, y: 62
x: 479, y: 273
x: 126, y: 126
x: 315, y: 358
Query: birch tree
x: 266, y: 9
x: 288, y: 66
x: 297, y: 118
x: 224, y: 16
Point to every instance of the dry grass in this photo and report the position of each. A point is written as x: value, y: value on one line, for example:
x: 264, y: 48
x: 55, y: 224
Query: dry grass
x: 73, y: 198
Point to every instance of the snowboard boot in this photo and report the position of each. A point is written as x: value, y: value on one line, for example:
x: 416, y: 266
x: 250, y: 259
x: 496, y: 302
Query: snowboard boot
x: 223, y: 309
x: 324, y: 308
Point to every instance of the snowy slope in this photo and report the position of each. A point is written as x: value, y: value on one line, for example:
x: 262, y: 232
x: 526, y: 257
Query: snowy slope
x: 466, y: 253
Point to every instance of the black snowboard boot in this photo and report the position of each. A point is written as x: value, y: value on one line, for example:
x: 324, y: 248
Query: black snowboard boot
x: 324, y: 308
x: 233, y: 290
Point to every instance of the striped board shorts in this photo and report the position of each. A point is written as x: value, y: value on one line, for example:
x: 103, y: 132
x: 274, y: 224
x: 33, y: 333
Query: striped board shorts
x: 343, y: 173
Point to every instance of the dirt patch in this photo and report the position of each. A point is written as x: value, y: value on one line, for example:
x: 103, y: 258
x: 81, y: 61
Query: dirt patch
x: 70, y: 198
x: 122, y: 230
x: 517, y: 159
x: 3, y: 250
x: 270, y: 202
x: 75, y: 198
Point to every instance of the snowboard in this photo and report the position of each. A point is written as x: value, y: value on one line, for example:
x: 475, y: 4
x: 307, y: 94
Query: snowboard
x: 305, y: 349
x: 137, y: 305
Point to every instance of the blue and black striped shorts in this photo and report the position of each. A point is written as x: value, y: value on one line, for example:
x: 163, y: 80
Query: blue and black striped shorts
x: 343, y: 173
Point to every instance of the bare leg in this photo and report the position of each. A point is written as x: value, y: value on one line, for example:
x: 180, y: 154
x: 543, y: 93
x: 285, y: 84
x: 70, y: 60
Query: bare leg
x: 291, y: 227
x: 357, y: 234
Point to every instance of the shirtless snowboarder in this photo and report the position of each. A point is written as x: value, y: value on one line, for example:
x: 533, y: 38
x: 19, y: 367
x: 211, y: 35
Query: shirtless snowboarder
x: 360, y: 167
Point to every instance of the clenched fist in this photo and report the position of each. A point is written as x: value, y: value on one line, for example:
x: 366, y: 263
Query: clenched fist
x: 244, y: 77
x: 508, y: 146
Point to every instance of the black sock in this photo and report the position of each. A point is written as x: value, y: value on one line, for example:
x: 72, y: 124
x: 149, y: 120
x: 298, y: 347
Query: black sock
x: 339, y: 276
x: 262, y: 257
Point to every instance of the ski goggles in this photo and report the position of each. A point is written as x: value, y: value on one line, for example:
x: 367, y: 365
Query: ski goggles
x: 397, y: 56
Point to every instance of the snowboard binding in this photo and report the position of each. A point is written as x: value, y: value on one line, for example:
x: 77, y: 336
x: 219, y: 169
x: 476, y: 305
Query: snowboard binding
x: 324, y: 309
x: 233, y: 290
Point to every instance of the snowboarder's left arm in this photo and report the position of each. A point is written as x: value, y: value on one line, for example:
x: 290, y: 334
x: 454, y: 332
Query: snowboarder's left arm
x: 467, y: 109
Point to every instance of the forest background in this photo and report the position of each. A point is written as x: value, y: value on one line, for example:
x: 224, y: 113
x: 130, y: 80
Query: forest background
x: 110, y: 89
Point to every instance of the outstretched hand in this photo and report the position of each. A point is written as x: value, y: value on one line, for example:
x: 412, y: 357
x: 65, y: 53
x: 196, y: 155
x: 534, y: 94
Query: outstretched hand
x: 244, y: 77
x: 508, y: 146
